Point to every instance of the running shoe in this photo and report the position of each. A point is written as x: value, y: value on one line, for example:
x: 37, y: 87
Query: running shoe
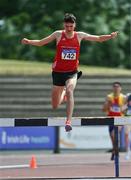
x: 68, y: 126
x: 79, y: 74
x: 112, y: 156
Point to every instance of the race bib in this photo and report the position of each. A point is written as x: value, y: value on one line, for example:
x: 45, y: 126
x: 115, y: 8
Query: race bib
x: 68, y: 54
x: 115, y: 108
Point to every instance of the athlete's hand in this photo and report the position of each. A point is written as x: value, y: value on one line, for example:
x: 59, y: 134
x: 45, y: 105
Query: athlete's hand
x: 114, y: 34
x: 25, y: 41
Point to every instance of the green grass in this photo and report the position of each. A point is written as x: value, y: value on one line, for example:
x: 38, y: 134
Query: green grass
x: 19, y: 67
x: 24, y: 67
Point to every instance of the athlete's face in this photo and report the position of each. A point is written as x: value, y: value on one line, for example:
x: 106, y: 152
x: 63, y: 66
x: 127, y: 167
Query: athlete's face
x: 116, y: 88
x: 69, y: 27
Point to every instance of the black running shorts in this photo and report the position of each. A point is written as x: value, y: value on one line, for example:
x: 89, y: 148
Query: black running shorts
x: 60, y: 78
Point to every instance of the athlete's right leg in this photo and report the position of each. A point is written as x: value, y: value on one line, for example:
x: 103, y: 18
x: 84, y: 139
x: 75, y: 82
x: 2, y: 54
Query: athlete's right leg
x: 58, y: 93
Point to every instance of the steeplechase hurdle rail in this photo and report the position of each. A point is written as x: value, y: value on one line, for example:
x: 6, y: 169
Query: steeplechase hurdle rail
x: 76, y: 121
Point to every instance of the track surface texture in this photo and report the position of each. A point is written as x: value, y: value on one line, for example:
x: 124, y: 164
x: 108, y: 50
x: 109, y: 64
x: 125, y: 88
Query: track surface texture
x: 64, y: 165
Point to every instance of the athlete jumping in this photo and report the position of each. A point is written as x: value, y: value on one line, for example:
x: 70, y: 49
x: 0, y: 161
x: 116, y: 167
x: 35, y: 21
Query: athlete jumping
x: 65, y: 66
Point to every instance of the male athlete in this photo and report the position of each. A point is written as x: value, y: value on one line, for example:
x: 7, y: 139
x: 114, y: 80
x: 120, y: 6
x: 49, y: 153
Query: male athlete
x: 66, y: 61
x: 113, y: 106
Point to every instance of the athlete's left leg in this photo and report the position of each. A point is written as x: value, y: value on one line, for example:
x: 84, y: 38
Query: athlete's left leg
x: 111, y: 130
x: 70, y: 86
x: 127, y: 142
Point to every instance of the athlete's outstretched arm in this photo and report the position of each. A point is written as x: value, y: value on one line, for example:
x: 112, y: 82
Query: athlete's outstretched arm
x: 100, y: 38
x: 41, y: 42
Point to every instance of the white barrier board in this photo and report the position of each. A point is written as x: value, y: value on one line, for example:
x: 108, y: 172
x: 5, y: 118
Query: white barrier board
x: 92, y: 137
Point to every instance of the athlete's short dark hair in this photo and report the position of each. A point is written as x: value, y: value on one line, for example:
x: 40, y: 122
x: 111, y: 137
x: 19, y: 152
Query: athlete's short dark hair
x: 116, y: 83
x: 69, y: 18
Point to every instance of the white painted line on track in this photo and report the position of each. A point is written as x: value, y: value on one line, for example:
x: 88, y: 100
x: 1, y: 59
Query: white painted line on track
x: 14, y: 166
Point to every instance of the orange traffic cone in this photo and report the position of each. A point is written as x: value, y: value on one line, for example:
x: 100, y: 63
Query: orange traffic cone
x: 33, y: 163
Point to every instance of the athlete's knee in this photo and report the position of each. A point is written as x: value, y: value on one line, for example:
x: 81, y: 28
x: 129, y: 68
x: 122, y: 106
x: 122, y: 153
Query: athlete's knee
x: 69, y: 92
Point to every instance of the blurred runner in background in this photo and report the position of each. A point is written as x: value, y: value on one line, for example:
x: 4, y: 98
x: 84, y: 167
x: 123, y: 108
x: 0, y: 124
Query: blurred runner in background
x: 113, y: 107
